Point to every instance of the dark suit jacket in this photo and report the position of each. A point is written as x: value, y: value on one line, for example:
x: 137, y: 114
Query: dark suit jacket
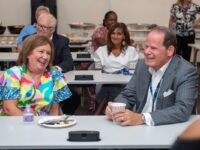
x: 180, y: 77
x: 62, y: 55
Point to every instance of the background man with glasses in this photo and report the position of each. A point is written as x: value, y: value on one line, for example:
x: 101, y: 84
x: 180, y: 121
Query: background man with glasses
x: 46, y: 24
x: 30, y: 29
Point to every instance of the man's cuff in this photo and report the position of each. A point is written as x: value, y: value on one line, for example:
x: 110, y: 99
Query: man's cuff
x: 148, y: 119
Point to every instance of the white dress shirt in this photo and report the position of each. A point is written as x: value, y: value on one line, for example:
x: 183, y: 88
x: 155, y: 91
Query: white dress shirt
x: 111, y: 63
x: 155, y: 79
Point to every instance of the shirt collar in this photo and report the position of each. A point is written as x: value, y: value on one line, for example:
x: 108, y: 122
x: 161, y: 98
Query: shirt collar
x: 51, y: 38
x: 162, y: 69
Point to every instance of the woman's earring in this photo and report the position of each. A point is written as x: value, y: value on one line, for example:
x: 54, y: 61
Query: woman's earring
x: 123, y: 43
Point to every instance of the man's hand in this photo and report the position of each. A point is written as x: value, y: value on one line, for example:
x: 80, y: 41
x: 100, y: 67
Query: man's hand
x: 128, y: 118
x: 109, y: 110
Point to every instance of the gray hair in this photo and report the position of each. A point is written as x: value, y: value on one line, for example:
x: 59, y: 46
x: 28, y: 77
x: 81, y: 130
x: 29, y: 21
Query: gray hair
x: 53, y: 20
x: 39, y: 9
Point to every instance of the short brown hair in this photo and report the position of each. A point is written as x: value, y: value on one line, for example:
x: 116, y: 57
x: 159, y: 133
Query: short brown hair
x: 127, y: 40
x: 29, y: 44
x: 169, y: 36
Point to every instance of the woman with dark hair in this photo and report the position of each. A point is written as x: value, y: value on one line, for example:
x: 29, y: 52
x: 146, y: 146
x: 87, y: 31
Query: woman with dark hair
x: 117, y: 57
x: 99, y: 37
x: 34, y: 82
x: 182, y: 21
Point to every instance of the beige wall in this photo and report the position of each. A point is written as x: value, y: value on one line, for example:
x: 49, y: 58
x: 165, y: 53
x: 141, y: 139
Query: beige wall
x: 14, y: 12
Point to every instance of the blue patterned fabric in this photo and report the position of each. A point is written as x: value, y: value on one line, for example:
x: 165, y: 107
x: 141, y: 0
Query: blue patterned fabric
x: 61, y: 94
x: 123, y: 71
x: 12, y: 93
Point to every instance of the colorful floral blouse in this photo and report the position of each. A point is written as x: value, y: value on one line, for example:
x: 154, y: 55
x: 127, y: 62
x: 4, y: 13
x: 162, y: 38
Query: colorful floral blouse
x: 184, y: 18
x: 17, y: 84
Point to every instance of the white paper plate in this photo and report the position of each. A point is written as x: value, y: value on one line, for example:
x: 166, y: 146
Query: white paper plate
x: 70, y: 122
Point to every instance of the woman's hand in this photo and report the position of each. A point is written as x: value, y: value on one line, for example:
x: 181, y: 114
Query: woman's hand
x: 10, y: 108
x: 54, y: 110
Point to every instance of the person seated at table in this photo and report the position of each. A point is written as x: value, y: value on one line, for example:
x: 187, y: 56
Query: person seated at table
x: 163, y: 89
x: 117, y: 57
x: 46, y: 24
x: 99, y: 37
x: 34, y: 82
x: 30, y: 29
x: 189, y: 139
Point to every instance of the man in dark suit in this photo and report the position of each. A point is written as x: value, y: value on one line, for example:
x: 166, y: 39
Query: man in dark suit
x: 163, y: 89
x: 46, y: 24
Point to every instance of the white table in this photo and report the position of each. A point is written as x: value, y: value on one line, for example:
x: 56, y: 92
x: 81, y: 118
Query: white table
x: 99, y: 78
x: 16, y: 135
x: 80, y: 46
x: 12, y: 56
x: 74, y: 57
x: 196, y: 48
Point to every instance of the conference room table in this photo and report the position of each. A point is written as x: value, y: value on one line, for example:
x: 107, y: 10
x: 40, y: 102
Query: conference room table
x: 18, y: 135
x: 12, y: 56
x: 98, y: 77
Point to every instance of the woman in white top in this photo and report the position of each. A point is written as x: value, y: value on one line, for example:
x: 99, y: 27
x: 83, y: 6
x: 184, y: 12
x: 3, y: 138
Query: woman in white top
x: 117, y: 54
x: 116, y: 57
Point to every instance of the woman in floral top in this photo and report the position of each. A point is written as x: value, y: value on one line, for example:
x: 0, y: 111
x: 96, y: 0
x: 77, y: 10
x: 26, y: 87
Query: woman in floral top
x: 182, y: 21
x: 34, y: 82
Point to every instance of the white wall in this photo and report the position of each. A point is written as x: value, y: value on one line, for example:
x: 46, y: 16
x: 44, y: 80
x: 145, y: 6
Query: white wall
x: 14, y: 12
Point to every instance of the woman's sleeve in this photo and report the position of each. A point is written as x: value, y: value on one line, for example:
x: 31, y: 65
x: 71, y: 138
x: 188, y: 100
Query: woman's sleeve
x: 133, y: 58
x: 172, y: 10
x: 60, y: 89
x: 10, y: 84
x: 97, y: 59
x: 97, y: 34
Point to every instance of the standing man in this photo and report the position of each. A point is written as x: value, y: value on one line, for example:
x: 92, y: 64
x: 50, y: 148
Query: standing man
x: 163, y: 89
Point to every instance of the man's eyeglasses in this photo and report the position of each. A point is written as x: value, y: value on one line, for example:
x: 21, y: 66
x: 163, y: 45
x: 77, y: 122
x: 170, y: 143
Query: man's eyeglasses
x: 43, y: 27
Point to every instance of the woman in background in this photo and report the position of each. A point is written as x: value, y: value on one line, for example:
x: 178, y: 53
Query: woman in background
x: 182, y: 21
x: 34, y: 82
x: 99, y: 37
x: 116, y: 57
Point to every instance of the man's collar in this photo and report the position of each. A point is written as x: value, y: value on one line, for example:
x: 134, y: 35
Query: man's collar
x: 162, y: 69
x: 51, y: 38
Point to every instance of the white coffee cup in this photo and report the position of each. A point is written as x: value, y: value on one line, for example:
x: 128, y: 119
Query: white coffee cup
x: 117, y: 106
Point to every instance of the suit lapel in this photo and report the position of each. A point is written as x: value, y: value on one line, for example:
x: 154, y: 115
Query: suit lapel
x: 167, y: 80
x: 145, y: 80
